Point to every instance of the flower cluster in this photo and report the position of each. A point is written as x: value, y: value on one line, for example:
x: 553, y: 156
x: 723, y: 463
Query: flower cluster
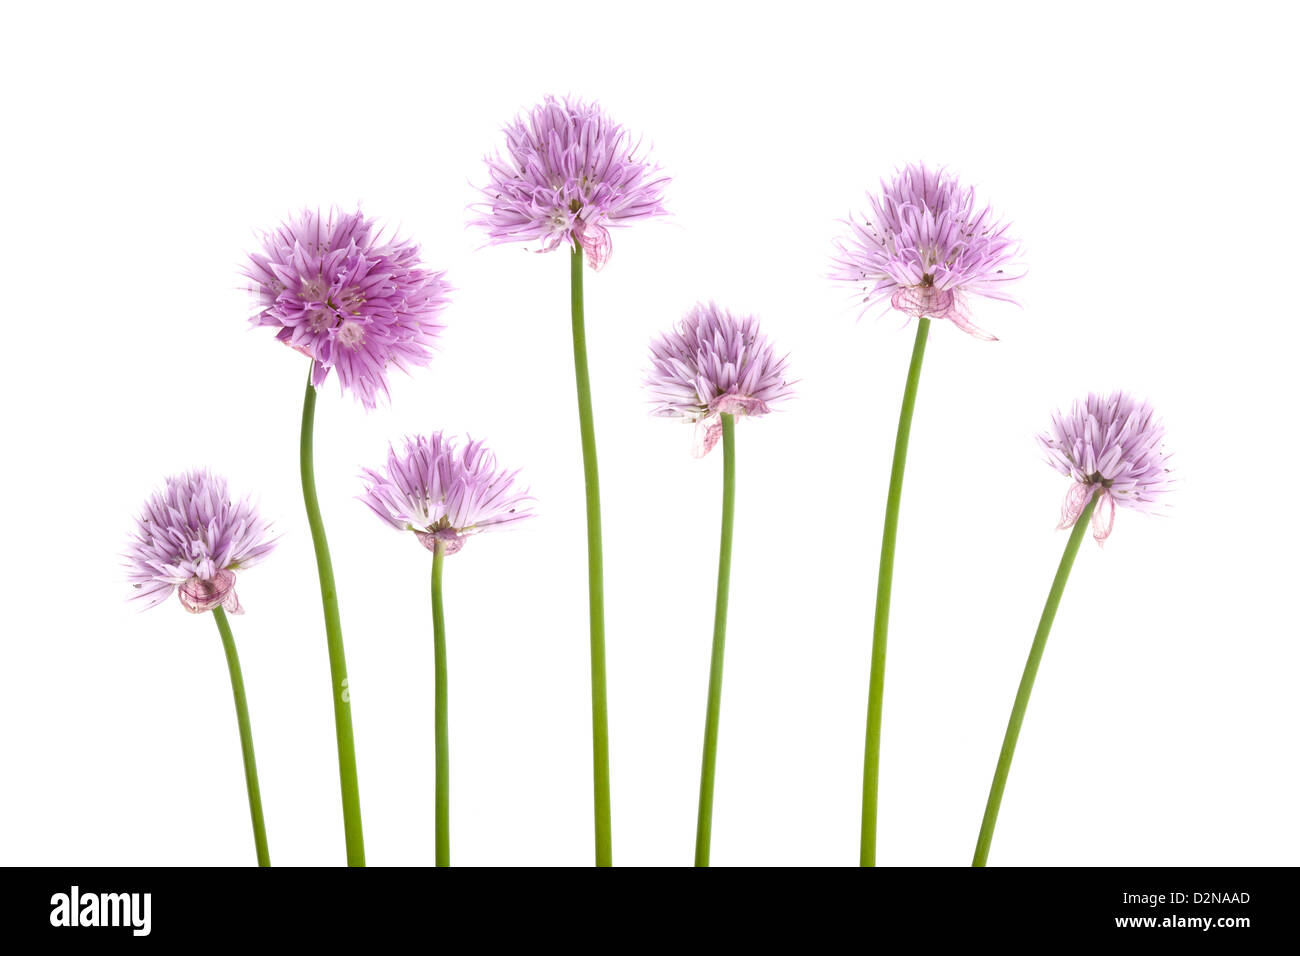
x: 711, y: 364
x: 348, y: 298
x: 925, y: 247
x: 193, y: 537
x: 568, y: 173
x: 444, y: 493
x: 1112, y: 447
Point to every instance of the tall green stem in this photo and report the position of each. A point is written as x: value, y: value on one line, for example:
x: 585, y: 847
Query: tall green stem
x: 441, y: 763
x: 595, y: 572
x: 704, y: 824
x: 334, y: 641
x: 1027, y: 685
x: 245, y: 737
x: 884, y: 586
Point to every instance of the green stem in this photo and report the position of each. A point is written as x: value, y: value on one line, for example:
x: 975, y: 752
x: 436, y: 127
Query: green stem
x: 245, y: 737
x: 334, y: 641
x: 884, y: 585
x: 441, y: 765
x: 595, y: 572
x: 704, y: 825
x: 1027, y: 685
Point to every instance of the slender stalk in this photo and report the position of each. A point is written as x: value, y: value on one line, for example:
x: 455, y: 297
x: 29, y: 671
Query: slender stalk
x: 1027, y: 685
x: 704, y: 824
x: 334, y: 641
x: 595, y: 573
x: 441, y: 765
x: 245, y: 737
x: 884, y: 586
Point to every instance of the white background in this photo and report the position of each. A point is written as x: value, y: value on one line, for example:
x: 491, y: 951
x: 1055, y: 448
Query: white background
x: 1146, y: 156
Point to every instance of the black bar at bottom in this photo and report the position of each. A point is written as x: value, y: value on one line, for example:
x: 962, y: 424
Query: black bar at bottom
x: 824, y: 909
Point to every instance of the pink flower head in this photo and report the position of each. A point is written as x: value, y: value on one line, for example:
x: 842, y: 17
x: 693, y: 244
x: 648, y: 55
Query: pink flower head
x: 351, y: 300
x: 1112, y: 447
x: 925, y: 247
x: 568, y: 174
x: 444, y: 493
x: 192, y: 538
x: 712, y: 364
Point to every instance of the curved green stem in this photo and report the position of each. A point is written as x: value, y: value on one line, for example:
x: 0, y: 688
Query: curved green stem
x: 245, y: 737
x: 1027, y: 685
x: 704, y: 824
x: 334, y: 641
x: 441, y: 764
x: 595, y: 572
x: 884, y: 586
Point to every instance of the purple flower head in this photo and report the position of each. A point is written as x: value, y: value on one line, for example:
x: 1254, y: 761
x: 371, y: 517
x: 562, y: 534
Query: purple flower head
x: 444, y: 493
x: 925, y: 247
x: 348, y: 298
x: 569, y: 172
x: 714, y: 363
x: 1112, y: 446
x: 191, y: 536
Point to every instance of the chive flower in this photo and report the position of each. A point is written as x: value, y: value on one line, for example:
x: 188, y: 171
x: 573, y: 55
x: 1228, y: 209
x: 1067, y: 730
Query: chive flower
x: 356, y: 302
x: 711, y: 364
x: 568, y: 174
x: 713, y: 369
x: 1112, y: 448
x: 352, y: 299
x: 925, y: 247
x: 191, y: 537
x: 443, y: 494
